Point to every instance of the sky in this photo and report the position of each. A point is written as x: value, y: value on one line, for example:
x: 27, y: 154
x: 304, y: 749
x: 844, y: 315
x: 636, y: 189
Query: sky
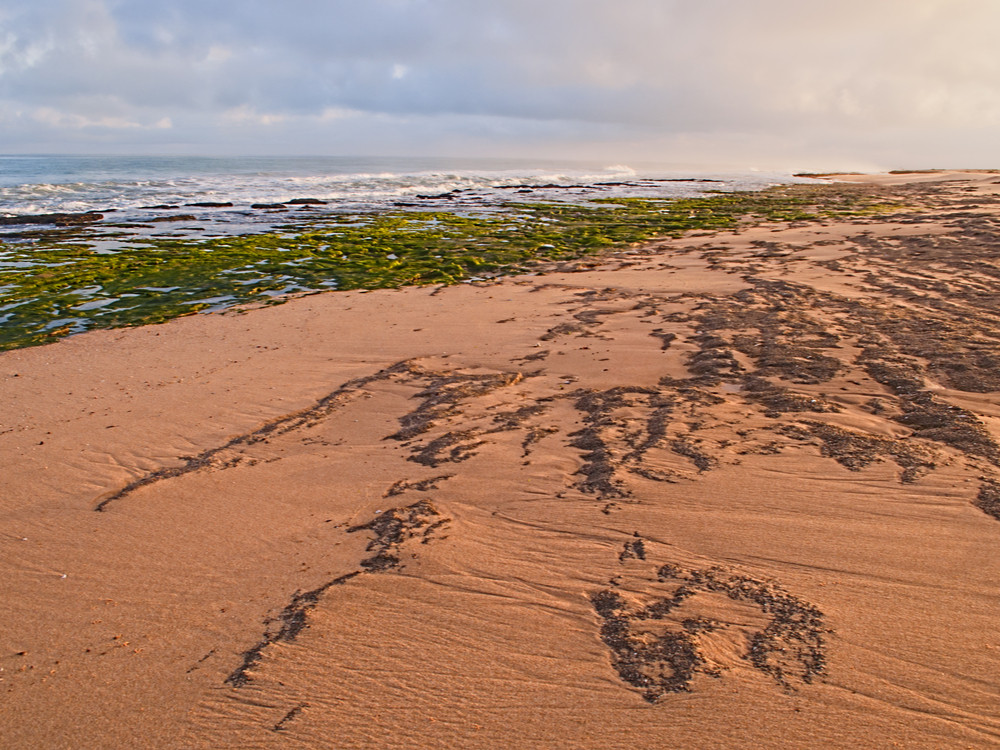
x: 797, y: 84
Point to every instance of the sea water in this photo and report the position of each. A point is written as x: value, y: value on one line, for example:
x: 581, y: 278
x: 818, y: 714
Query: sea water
x: 130, y: 185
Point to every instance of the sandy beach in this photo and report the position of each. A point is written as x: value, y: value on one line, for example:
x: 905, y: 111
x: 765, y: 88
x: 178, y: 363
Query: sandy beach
x: 735, y: 489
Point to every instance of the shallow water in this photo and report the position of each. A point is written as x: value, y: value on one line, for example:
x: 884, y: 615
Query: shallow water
x: 303, y: 225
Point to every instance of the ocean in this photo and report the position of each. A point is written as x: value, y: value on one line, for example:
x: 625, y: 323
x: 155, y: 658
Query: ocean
x: 131, y: 184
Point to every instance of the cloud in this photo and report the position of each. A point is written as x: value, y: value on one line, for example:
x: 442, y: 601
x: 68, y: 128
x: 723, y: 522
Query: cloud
x: 245, y: 115
x: 662, y: 77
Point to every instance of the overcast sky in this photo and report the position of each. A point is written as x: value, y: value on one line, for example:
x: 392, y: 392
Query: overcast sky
x: 769, y: 83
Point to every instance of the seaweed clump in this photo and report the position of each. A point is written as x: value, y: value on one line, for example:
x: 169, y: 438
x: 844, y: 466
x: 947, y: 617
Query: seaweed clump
x: 58, y: 282
x: 656, y: 648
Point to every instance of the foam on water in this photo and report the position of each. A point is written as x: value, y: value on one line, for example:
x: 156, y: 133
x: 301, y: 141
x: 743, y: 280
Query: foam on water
x: 39, y: 184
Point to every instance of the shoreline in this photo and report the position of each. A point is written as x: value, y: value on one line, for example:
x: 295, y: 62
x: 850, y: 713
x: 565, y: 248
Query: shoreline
x: 89, y: 273
x: 733, y: 488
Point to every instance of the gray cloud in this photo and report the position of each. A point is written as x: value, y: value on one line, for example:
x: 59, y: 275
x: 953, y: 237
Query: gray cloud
x: 880, y: 81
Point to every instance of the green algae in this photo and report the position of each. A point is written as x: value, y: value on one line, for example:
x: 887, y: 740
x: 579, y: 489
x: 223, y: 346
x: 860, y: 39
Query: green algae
x: 58, y: 283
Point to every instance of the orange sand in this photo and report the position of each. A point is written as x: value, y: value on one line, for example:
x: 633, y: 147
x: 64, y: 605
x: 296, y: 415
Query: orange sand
x: 726, y: 491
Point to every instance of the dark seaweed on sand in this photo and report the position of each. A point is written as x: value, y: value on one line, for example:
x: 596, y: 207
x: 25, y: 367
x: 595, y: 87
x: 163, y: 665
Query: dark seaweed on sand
x: 391, y: 529
x: 660, y: 660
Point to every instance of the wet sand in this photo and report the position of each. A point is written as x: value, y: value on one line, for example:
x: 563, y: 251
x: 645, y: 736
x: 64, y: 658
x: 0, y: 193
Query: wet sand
x: 731, y: 490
